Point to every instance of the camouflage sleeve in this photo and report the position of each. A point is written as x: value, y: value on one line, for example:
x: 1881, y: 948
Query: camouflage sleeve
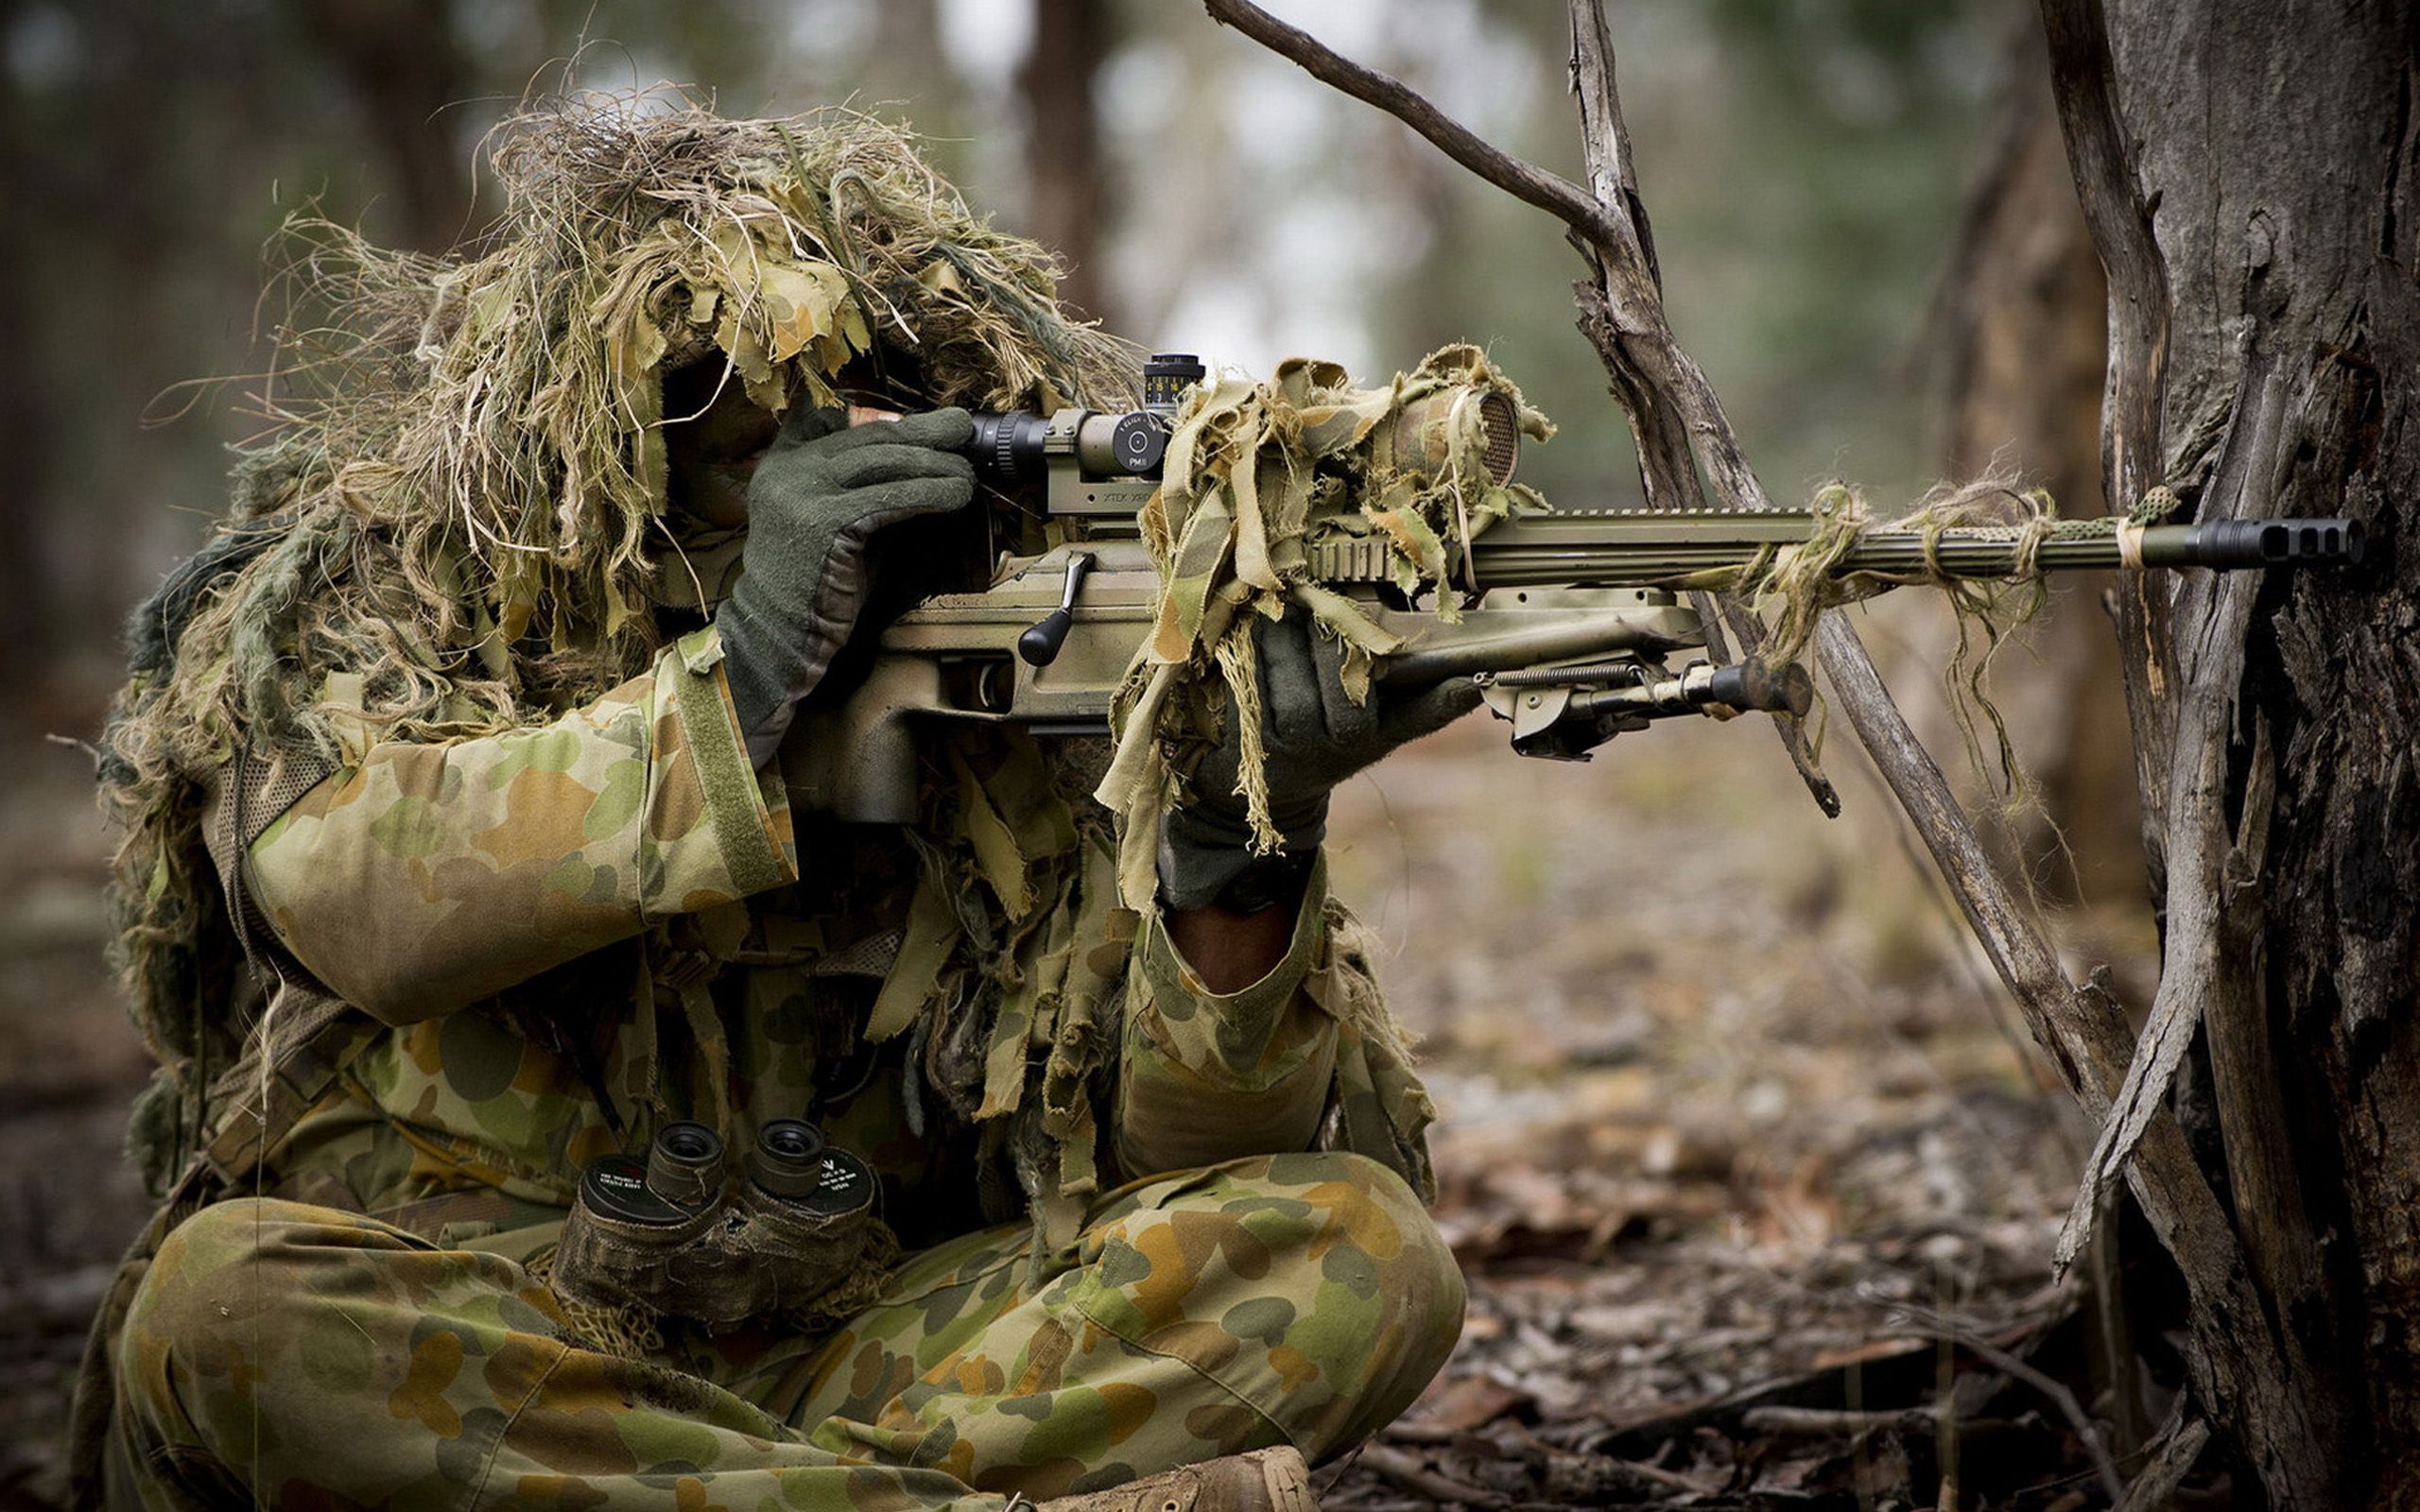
x: 421, y: 877
x: 1208, y: 1076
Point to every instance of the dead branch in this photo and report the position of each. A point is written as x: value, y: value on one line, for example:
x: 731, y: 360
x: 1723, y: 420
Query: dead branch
x: 1409, y: 1473
x: 2119, y: 215
x: 1550, y: 192
x: 1622, y: 314
x: 2178, y: 1444
x: 1680, y: 428
x: 1834, y: 1422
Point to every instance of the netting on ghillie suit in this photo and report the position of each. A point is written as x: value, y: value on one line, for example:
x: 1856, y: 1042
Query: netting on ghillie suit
x: 462, y: 504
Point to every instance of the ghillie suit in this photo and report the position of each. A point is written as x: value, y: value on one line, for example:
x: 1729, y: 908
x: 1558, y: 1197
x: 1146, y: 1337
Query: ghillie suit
x: 464, y: 504
x: 436, y: 730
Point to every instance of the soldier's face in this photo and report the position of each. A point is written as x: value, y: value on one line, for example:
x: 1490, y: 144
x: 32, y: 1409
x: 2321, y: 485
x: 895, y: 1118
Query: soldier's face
x: 715, y: 434
x: 713, y: 437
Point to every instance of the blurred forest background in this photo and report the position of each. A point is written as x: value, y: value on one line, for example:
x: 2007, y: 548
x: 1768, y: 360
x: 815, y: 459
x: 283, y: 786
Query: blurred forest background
x: 1726, y: 1096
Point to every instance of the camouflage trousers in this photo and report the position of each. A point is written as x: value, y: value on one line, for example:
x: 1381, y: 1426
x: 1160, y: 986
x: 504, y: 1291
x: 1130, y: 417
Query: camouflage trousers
x: 282, y: 1354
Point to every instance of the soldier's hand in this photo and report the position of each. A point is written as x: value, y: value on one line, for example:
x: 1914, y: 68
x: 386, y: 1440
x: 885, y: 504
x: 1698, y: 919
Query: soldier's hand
x: 1315, y: 737
x: 817, y: 499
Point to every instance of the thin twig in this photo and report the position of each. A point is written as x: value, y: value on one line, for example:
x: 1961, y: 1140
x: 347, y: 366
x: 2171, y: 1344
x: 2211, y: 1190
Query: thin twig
x: 1940, y: 1326
x: 1550, y: 192
x: 1834, y: 1422
x: 1409, y: 1473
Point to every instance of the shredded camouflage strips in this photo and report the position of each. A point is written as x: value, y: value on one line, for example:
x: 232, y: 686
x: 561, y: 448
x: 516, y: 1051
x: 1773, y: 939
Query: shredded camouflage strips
x: 461, y: 500
x: 1256, y: 475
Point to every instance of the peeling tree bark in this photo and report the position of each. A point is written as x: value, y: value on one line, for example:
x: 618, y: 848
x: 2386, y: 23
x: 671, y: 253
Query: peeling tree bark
x: 2248, y: 169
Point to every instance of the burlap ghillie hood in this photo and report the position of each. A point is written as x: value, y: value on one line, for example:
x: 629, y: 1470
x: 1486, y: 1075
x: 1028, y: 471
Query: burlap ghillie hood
x: 462, y: 501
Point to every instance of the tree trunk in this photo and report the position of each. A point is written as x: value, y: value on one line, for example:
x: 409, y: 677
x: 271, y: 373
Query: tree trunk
x: 2023, y: 337
x: 1070, y: 42
x: 404, y: 70
x: 2251, y: 173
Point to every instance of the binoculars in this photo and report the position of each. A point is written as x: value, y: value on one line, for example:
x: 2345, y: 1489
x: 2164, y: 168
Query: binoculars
x: 674, y: 1235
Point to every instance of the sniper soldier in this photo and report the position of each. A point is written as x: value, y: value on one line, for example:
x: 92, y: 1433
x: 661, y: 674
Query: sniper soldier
x: 550, y: 1113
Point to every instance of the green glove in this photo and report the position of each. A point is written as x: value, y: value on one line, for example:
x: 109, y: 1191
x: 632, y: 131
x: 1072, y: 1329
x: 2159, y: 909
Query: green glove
x: 1315, y: 735
x: 817, y: 497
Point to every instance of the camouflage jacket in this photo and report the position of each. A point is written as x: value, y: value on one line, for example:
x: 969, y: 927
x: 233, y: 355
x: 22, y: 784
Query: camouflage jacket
x: 560, y: 937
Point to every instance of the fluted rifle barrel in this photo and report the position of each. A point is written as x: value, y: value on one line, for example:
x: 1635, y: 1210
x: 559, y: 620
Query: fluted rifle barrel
x: 1642, y: 547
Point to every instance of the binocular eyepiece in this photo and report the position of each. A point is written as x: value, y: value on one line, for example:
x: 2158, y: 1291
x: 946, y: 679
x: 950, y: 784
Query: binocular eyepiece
x: 667, y: 1232
x: 682, y: 1174
x: 684, y: 1166
x: 793, y: 1162
x: 679, y: 1175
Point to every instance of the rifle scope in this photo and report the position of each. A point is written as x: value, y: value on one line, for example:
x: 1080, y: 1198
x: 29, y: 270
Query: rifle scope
x: 1018, y: 447
x: 1015, y: 447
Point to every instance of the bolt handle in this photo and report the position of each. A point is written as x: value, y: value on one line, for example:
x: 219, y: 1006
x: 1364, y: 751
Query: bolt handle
x: 1041, y: 642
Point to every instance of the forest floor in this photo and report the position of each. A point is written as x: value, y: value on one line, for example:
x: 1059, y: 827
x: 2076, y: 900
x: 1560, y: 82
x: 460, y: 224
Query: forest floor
x: 1755, y: 1192
x: 1755, y: 1189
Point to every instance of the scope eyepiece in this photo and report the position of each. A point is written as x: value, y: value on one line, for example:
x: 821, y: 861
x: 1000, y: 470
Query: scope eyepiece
x: 1007, y: 448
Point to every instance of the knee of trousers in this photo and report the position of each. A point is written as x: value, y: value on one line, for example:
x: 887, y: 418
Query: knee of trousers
x: 1330, y: 1279
x: 220, y: 1293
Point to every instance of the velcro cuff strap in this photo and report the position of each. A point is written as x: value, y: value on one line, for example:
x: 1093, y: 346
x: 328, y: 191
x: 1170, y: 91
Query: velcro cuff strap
x: 735, y: 805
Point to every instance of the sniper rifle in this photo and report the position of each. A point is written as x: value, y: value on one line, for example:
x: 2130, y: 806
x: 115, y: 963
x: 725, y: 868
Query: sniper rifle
x: 1571, y: 623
